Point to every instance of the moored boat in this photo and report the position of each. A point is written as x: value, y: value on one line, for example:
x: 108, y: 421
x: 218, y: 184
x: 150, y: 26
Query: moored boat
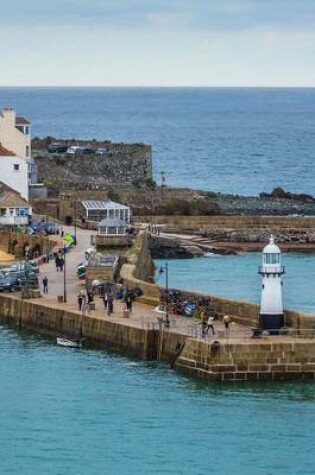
x: 78, y: 343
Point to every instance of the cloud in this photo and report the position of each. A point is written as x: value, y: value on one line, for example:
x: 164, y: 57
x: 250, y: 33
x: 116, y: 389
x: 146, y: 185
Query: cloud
x: 287, y: 39
x: 196, y: 15
x: 168, y: 19
x: 160, y: 42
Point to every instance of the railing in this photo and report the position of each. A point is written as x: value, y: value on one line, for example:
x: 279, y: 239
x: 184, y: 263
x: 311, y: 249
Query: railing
x: 195, y: 330
x: 271, y: 269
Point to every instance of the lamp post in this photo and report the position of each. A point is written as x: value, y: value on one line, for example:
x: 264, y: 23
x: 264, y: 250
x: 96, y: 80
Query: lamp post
x: 162, y: 183
x: 75, y: 222
x: 163, y: 269
x: 64, y: 275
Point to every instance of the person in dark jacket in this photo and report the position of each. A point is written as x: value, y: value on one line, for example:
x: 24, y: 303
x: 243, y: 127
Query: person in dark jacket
x: 45, y: 285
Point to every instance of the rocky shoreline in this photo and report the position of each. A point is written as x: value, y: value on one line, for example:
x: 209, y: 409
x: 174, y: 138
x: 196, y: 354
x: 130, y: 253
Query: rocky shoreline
x: 177, y: 248
x: 262, y: 205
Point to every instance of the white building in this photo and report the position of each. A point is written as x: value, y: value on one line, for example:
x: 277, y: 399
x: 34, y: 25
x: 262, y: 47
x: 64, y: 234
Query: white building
x: 112, y: 227
x: 14, y: 210
x: 15, y: 146
x: 15, y: 133
x: 271, y: 307
x: 98, y: 210
x: 15, y: 172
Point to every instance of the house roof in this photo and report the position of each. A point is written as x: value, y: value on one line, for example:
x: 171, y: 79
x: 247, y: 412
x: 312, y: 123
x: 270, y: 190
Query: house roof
x: 10, y: 198
x: 4, y: 152
x: 19, y: 120
x: 103, y: 205
x: 112, y: 223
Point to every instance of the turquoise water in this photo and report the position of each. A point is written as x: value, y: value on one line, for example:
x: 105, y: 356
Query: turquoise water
x: 221, y: 139
x: 67, y: 412
x: 237, y: 277
x: 70, y: 412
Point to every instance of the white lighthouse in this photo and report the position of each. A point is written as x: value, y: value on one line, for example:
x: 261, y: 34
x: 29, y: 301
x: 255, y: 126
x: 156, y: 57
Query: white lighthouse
x: 271, y: 306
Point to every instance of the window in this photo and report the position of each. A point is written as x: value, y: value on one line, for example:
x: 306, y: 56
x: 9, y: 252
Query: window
x: 272, y: 258
x: 16, y: 167
x: 27, y: 151
x: 3, y: 211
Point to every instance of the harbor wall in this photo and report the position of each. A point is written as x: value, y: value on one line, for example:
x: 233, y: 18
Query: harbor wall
x: 194, y: 223
x: 55, y: 320
x: 256, y: 361
x: 251, y: 360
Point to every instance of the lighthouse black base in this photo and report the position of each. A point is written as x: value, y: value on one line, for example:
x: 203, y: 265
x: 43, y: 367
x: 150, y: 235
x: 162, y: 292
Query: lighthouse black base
x: 271, y: 321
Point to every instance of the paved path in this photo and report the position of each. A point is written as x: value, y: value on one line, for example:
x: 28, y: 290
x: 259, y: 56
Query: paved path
x: 142, y: 315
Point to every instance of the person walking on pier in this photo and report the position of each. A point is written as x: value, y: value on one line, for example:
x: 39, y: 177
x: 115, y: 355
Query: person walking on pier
x: 81, y: 298
x: 105, y: 299
x: 204, y: 323
x: 128, y: 302
x: 210, y: 325
x: 45, y: 285
x: 110, y: 305
x: 226, y: 320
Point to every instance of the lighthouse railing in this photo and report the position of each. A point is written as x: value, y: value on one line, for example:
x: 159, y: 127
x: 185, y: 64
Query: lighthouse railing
x: 271, y: 269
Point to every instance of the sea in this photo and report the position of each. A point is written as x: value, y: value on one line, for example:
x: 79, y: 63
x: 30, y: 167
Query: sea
x: 72, y: 412
x: 236, y: 277
x: 240, y: 141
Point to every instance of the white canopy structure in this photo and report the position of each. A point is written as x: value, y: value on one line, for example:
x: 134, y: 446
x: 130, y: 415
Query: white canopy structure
x: 112, y: 227
x: 98, y: 210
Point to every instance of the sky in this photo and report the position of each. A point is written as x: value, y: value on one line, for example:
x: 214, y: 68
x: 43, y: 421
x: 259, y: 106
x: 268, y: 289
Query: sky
x: 239, y: 43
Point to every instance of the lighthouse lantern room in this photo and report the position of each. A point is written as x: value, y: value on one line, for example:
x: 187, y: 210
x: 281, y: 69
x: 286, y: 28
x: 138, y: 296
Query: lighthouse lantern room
x: 271, y: 306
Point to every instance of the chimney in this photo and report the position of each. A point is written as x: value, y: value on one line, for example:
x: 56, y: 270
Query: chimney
x: 9, y: 115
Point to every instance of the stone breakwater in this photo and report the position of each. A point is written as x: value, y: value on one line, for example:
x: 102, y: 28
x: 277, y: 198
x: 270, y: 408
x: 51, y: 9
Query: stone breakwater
x: 177, y: 248
x: 118, y: 163
x: 231, y: 356
x: 272, y: 359
x: 295, y: 233
x: 262, y: 206
x: 223, y: 359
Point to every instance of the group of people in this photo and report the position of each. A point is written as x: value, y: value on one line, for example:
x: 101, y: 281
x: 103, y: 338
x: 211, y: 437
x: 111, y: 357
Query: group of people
x: 85, y: 297
x: 207, y: 323
x: 59, y: 261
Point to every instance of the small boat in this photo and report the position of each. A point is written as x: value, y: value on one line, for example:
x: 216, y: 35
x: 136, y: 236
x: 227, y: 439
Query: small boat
x: 70, y: 343
x: 77, y: 342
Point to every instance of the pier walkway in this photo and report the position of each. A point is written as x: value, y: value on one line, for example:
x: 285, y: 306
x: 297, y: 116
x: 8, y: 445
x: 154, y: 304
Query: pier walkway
x: 143, y: 315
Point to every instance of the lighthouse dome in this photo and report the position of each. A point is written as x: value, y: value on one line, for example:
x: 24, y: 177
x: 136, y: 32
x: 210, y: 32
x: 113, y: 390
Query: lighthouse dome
x: 271, y: 248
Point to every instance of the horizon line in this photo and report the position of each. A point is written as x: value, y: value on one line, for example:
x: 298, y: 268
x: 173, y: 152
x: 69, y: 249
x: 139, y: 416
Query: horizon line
x: 150, y: 87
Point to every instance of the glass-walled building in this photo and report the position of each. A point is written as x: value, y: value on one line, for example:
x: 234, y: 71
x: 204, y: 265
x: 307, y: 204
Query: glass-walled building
x: 99, y: 210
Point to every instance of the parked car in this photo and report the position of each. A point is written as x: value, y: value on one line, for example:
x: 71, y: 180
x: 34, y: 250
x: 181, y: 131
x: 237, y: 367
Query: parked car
x: 43, y: 227
x: 74, y: 150
x: 11, y: 281
x: 5, y: 284
x: 101, y: 151
x: 56, y: 147
x: 52, y: 228
x: 24, y: 266
x: 78, y: 150
x: 87, y: 151
x: 17, y: 280
x: 32, y: 266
